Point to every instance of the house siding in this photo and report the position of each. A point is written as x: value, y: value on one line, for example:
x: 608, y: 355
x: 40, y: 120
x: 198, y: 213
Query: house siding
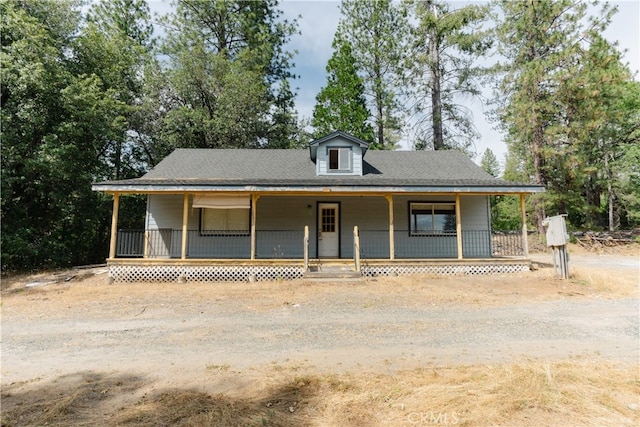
x: 476, y: 227
x: 275, y: 214
x: 164, y: 214
x: 281, y: 221
x: 408, y: 246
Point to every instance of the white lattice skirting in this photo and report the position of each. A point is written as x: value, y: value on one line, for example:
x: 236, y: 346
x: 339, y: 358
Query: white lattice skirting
x: 443, y: 269
x: 203, y: 273
x: 243, y: 273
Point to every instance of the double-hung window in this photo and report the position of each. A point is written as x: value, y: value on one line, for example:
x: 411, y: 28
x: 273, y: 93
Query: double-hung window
x: 432, y: 218
x: 340, y: 159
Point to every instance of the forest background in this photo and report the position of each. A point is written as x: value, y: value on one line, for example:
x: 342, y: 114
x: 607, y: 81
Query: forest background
x: 90, y: 92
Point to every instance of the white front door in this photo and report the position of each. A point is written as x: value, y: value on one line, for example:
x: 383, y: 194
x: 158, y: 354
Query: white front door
x: 328, y: 230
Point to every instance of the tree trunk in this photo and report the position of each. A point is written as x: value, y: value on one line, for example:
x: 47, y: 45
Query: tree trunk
x: 380, y: 120
x: 118, y: 160
x: 539, y: 178
x: 436, y: 93
x: 610, y: 194
x: 379, y: 96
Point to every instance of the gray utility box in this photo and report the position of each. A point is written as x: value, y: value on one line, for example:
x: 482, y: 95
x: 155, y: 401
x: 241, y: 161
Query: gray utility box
x: 556, y: 230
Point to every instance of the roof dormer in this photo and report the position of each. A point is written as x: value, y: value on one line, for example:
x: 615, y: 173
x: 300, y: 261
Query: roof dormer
x: 338, y: 154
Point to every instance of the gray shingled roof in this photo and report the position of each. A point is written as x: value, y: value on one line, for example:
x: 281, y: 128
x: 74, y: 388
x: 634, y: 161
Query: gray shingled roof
x: 220, y: 167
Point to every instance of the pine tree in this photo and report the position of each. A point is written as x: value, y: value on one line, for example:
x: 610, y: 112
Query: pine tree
x: 489, y: 163
x: 375, y: 30
x: 542, y: 42
x: 445, y: 46
x: 341, y: 104
x: 228, y: 74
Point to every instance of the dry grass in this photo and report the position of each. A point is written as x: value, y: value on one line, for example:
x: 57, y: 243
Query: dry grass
x: 607, y: 283
x: 92, y: 294
x: 583, y: 391
x: 529, y: 393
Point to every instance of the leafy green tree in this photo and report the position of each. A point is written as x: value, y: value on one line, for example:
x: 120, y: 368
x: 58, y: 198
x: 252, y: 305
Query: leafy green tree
x: 446, y: 44
x: 227, y: 71
x: 614, y: 124
x: 628, y: 186
x: 341, y: 104
x: 129, y: 18
x: 505, y: 210
x: 116, y: 45
x: 375, y: 30
x: 56, y: 124
x: 541, y: 41
x: 490, y: 163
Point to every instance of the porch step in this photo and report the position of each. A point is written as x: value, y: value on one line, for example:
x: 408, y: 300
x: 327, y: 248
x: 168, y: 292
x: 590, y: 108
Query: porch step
x: 333, y: 272
x: 329, y: 275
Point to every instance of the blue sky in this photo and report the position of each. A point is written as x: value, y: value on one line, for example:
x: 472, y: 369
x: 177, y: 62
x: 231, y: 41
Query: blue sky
x: 318, y: 21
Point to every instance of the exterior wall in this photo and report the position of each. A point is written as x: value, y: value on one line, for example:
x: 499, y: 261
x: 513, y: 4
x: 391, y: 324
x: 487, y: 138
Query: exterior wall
x: 322, y: 157
x: 407, y: 246
x: 164, y: 213
x: 476, y: 233
x: 286, y: 213
x: 476, y: 227
x: 371, y: 215
x: 275, y: 217
x: 281, y: 221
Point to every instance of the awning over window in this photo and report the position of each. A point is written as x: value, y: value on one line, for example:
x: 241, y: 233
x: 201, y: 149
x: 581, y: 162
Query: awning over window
x: 221, y: 202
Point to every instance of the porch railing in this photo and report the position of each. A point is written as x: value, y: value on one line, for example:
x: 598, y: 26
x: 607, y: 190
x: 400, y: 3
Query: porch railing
x: 292, y: 244
x: 475, y: 244
x: 167, y: 243
x: 356, y: 248
x: 507, y: 243
x: 130, y: 243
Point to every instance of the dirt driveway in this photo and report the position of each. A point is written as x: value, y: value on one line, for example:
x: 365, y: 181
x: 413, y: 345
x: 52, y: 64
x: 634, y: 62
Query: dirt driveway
x: 174, y: 333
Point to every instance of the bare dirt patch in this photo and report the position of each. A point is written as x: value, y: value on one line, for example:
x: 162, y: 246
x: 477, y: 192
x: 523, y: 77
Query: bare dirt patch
x: 86, y: 292
x: 521, y: 349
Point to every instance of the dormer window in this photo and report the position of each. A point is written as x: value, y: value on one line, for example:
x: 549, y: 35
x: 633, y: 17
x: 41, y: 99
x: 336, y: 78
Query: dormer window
x: 340, y: 159
x: 338, y: 154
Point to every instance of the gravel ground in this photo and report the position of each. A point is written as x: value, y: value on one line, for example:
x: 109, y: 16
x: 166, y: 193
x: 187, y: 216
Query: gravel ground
x: 179, y: 340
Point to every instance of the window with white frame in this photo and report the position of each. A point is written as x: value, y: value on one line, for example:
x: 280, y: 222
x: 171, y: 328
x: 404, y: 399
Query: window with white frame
x: 339, y: 159
x: 432, y: 218
x: 224, y: 221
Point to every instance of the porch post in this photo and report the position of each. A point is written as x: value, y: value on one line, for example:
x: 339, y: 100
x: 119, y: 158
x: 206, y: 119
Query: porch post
x: 305, y: 248
x: 525, y: 239
x: 458, y: 226
x: 114, y: 225
x: 185, y: 221
x: 392, y: 249
x: 254, y: 203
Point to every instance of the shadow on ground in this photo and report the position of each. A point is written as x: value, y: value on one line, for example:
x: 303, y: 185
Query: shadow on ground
x: 89, y: 398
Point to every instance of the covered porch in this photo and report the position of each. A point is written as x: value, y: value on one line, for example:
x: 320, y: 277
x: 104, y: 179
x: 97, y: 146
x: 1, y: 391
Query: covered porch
x: 288, y: 235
